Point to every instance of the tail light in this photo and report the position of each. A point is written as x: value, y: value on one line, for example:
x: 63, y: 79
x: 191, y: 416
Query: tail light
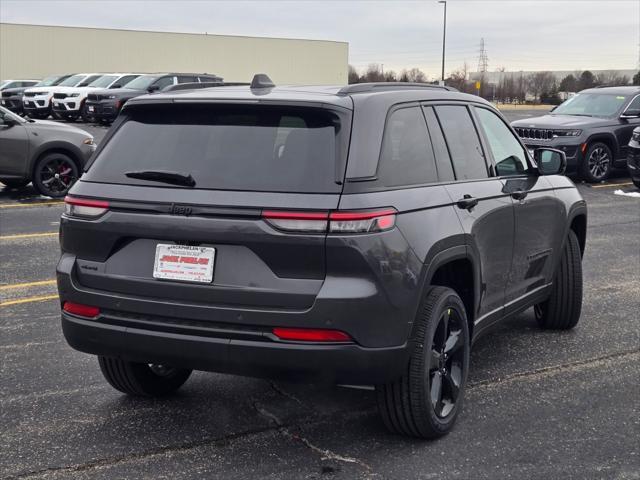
x: 83, y: 207
x: 309, y: 222
x: 81, y: 310
x: 311, y: 335
x: 357, y: 221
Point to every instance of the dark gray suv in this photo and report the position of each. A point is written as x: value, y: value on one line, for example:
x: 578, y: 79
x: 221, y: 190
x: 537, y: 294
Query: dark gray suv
x: 593, y: 128
x: 357, y: 235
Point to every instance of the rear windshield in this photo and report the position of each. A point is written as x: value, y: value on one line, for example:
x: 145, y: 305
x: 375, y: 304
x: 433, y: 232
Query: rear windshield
x: 257, y: 148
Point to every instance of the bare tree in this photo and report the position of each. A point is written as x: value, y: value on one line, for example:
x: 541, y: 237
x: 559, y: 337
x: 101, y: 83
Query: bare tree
x: 390, y: 76
x: 354, y: 77
x: 541, y: 82
x: 611, y: 78
x: 459, y: 78
x: 416, y: 75
x: 373, y: 73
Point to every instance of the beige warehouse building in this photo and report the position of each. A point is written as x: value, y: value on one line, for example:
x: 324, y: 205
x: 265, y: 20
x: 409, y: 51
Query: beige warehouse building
x: 34, y: 51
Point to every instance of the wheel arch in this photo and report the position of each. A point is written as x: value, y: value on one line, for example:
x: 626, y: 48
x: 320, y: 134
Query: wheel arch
x: 456, y: 268
x: 608, y: 139
x: 56, y: 147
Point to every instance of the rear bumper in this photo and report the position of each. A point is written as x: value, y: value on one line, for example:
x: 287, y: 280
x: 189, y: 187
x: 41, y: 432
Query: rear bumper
x: 239, y: 340
x: 337, y: 363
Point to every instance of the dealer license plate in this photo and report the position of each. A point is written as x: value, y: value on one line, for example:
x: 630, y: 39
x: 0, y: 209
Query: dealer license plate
x: 184, y: 263
x: 90, y: 108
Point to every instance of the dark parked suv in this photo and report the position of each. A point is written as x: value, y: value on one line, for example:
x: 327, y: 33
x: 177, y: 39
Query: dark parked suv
x: 593, y: 128
x: 633, y: 161
x: 104, y: 105
x: 357, y: 235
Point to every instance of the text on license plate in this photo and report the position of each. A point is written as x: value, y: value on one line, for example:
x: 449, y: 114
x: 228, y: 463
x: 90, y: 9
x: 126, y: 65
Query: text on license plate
x: 184, y: 262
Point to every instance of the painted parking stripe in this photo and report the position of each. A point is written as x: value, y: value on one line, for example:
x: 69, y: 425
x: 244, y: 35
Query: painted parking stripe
x: 34, y: 204
x: 19, y: 301
x: 612, y: 185
x: 18, y: 236
x: 39, y: 283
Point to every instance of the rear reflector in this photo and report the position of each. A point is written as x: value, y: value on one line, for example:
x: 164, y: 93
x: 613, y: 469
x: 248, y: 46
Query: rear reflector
x: 81, y: 310
x: 311, y: 335
x: 84, y: 207
x: 362, y: 221
x: 358, y: 221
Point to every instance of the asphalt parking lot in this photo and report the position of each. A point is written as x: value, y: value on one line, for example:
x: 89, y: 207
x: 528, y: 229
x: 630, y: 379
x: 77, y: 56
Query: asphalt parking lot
x: 539, y: 404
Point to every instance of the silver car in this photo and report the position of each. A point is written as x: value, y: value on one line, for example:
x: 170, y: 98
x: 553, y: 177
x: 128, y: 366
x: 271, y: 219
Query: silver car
x: 49, y: 154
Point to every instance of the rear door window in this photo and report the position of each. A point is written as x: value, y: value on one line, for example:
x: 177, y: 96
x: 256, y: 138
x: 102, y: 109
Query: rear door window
x: 257, y: 148
x: 187, y: 79
x: 407, y: 156
x: 443, y: 161
x: 462, y: 141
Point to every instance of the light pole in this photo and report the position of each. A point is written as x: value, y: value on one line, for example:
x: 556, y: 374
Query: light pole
x: 444, y: 35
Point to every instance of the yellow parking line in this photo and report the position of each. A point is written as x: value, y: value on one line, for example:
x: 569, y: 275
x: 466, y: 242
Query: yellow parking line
x: 18, y: 301
x: 611, y: 185
x: 27, y: 284
x: 34, y: 204
x: 28, y: 235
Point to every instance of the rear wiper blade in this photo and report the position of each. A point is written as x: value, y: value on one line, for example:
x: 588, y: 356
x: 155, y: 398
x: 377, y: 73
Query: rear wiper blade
x: 173, y: 178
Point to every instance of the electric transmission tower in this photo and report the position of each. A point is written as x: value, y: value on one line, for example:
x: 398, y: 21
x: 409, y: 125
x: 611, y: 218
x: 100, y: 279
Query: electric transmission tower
x: 483, y: 60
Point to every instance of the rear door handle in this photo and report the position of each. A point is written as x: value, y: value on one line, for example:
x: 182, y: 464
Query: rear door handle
x: 467, y: 202
x: 519, y: 194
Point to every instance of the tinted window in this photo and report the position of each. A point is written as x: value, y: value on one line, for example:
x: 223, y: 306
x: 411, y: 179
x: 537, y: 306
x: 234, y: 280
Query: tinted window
x: 126, y: 79
x: 635, y: 104
x: 508, y: 154
x: 187, y: 79
x: 443, y: 161
x: 164, y: 82
x: 462, y: 141
x: 204, y: 78
x: 89, y: 80
x: 230, y: 148
x: 406, y: 157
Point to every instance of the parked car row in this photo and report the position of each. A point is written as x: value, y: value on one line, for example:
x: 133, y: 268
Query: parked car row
x: 92, y: 97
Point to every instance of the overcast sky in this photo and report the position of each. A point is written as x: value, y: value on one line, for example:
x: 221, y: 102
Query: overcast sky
x: 519, y: 35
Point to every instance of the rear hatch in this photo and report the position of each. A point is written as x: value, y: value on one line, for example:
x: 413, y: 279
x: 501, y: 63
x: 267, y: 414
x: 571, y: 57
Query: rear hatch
x: 182, y: 194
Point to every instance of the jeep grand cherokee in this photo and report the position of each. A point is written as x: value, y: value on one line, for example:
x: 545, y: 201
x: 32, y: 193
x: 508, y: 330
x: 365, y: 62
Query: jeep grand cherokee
x: 361, y: 235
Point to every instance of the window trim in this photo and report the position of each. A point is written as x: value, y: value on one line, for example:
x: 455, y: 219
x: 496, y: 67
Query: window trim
x: 629, y: 104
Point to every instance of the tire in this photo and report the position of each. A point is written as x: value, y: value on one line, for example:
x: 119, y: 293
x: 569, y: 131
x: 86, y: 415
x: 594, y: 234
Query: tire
x: 562, y: 310
x: 141, y: 379
x: 598, y: 163
x: 54, y: 174
x: 636, y: 183
x: 14, y: 183
x: 407, y: 405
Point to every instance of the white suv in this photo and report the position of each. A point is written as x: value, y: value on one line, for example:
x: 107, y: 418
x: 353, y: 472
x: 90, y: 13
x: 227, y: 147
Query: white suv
x: 37, y: 100
x: 68, y: 103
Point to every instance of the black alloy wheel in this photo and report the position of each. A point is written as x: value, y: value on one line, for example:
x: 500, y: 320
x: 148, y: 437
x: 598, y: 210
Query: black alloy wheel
x: 447, y: 363
x: 598, y: 163
x: 55, y: 174
x: 427, y: 398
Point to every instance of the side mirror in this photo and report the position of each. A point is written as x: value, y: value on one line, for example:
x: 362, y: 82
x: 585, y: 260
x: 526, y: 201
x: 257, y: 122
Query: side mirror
x: 153, y: 88
x: 631, y: 113
x: 550, y: 161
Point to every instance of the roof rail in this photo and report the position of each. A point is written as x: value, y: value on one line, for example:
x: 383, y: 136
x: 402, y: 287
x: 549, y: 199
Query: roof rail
x: 369, y: 87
